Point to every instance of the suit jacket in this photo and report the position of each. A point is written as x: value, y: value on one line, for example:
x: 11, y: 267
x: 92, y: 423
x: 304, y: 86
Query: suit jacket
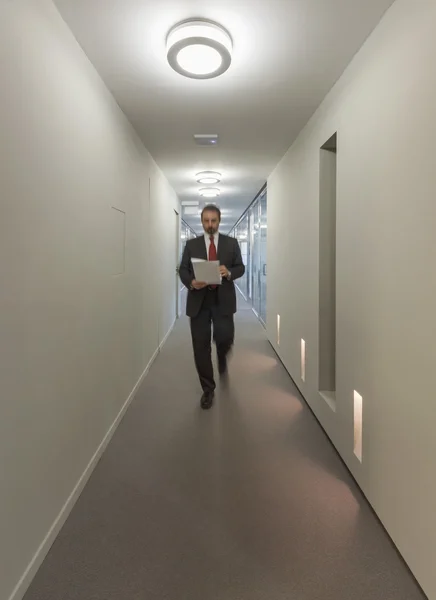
x: 228, y: 254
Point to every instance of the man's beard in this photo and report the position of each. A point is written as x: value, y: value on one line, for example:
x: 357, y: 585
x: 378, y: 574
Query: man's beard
x: 211, y: 230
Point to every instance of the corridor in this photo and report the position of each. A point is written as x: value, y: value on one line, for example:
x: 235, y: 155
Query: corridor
x: 248, y: 501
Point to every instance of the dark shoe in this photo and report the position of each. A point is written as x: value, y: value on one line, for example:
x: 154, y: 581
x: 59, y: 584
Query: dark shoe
x: 207, y: 400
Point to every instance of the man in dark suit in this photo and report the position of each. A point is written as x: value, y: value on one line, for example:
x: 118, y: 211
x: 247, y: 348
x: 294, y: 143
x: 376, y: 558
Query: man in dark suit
x: 211, y: 304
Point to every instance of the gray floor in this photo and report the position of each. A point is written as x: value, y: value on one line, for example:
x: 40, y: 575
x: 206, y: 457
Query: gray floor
x: 245, y: 502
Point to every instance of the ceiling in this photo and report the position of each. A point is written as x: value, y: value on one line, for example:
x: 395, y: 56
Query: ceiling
x: 287, y: 55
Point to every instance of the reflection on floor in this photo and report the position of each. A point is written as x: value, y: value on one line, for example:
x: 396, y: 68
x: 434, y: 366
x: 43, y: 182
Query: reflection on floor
x: 247, y: 501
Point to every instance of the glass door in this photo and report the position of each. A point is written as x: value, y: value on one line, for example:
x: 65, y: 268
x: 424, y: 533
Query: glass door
x: 241, y: 234
x: 263, y: 240
x: 186, y: 233
x: 255, y: 256
x: 251, y: 233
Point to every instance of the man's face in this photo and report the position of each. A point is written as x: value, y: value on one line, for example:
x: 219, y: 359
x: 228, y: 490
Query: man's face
x: 210, y: 222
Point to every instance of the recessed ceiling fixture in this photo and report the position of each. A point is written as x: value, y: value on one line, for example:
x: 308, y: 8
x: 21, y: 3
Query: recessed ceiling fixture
x: 199, y: 49
x: 209, y: 192
x: 208, y: 177
x: 206, y: 139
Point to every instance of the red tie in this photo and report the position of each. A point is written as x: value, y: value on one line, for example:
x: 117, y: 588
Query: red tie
x: 212, y: 253
x: 212, y: 248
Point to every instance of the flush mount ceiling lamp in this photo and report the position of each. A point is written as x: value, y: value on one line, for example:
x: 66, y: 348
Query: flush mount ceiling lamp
x: 208, y: 177
x: 199, y: 49
x: 209, y: 192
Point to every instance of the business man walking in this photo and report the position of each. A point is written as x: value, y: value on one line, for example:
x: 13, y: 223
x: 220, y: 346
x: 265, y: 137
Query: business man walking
x: 207, y: 305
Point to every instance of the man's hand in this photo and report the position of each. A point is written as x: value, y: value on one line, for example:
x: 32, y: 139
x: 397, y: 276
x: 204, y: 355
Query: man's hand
x: 198, y: 285
x: 224, y: 272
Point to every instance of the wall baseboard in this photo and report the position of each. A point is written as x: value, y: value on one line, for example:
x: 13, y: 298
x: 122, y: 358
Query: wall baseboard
x: 30, y: 572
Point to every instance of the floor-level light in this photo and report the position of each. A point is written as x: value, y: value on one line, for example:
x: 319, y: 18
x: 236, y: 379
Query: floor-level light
x: 303, y: 360
x: 358, y: 425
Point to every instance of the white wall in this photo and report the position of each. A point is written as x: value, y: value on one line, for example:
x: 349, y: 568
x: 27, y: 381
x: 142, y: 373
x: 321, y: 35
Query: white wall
x: 384, y: 111
x: 166, y: 252
x: 74, y: 336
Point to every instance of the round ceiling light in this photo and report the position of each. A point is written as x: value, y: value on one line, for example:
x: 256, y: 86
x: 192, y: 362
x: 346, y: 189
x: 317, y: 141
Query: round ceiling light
x: 209, y: 192
x: 199, y: 49
x: 208, y: 177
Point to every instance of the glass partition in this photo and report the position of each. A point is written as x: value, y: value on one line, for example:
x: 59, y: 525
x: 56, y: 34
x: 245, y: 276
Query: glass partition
x: 186, y: 233
x: 254, y: 215
x: 263, y: 232
x: 241, y: 234
x: 251, y: 233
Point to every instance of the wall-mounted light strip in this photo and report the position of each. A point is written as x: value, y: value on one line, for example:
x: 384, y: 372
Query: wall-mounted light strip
x: 278, y: 330
x: 358, y: 425
x: 303, y: 360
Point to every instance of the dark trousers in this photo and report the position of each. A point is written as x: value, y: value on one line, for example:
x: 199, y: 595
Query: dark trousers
x: 201, y: 332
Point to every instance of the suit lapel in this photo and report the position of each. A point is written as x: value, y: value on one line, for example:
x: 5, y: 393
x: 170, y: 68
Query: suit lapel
x: 202, y: 251
x: 221, y: 248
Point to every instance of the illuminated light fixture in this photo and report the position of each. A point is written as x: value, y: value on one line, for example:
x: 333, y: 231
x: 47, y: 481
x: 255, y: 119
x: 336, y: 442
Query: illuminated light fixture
x: 209, y: 192
x: 358, y: 423
x: 199, y: 49
x: 303, y: 360
x: 208, y: 177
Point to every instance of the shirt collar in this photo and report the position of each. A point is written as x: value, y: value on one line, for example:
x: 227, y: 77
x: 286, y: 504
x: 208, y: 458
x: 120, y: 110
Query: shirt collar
x: 207, y: 236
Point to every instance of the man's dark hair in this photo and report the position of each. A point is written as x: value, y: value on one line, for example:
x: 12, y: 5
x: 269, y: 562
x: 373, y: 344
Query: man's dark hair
x: 211, y: 208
